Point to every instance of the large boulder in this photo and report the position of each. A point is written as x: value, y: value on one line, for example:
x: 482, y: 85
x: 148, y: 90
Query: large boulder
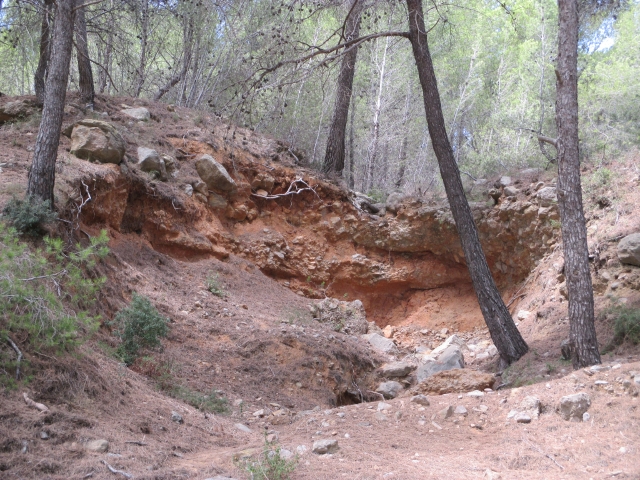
x: 573, y: 407
x: 389, y: 389
x: 396, y: 369
x: 96, y: 140
x: 450, y: 359
x: 347, y: 317
x: 138, y: 113
x: 547, y: 196
x: 455, y: 381
x: 629, y: 250
x: 17, y: 109
x: 150, y: 161
x: 381, y: 344
x: 215, y: 175
x: 263, y: 181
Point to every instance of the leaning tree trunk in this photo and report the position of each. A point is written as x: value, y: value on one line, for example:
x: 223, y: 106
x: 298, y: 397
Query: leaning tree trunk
x: 42, y: 173
x: 334, y: 155
x: 43, y: 58
x: 582, y: 338
x: 504, y: 333
x: 87, y: 92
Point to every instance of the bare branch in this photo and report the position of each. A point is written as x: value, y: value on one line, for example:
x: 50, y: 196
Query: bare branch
x: 19, y: 353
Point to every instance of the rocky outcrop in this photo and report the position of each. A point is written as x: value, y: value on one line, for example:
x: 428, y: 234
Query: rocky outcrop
x: 455, y: 381
x: 17, y: 109
x: 347, y: 317
x: 449, y: 359
x: 96, y: 141
x: 150, y: 161
x: 137, y: 113
x: 629, y: 250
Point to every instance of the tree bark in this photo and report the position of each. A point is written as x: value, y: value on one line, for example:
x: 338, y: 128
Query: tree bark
x: 582, y: 337
x: 187, y: 50
x: 506, y: 337
x: 334, y: 155
x: 106, y: 59
x: 87, y: 92
x: 43, y: 58
x: 144, y: 38
x: 42, y: 173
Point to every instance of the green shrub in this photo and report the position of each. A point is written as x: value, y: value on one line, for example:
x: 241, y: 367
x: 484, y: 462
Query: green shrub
x: 45, y: 294
x: 626, y: 325
x: 28, y: 216
x: 270, y: 464
x: 210, y: 402
x: 139, y: 325
x: 215, y: 286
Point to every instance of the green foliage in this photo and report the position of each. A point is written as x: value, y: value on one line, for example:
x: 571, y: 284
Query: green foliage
x: 206, y: 402
x: 28, y: 216
x: 270, y: 464
x: 139, y: 325
x: 45, y: 293
x: 377, y: 195
x: 601, y: 177
x: 214, y: 285
x: 626, y: 324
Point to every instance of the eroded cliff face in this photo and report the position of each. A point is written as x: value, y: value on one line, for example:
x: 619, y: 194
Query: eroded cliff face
x: 405, y: 266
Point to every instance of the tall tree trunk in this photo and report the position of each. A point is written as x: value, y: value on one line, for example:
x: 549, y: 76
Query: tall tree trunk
x: 582, y: 338
x: 87, y: 92
x: 352, y: 145
x: 334, y: 155
x: 144, y: 38
x: 45, y: 44
x: 373, y: 149
x: 43, y: 168
x: 106, y: 59
x: 504, y: 333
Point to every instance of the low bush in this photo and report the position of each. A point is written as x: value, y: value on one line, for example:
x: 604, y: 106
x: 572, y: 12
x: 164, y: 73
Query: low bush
x: 626, y: 324
x: 139, y: 325
x: 215, y: 286
x: 28, y: 216
x: 271, y: 464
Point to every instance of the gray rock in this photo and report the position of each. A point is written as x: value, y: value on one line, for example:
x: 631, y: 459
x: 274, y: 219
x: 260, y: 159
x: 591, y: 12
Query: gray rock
x: 510, y: 191
x: 547, y: 196
x: 137, y: 113
x: 98, y: 446
x: 461, y: 410
x: 380, y: 343
x: 531, y: 406
x: 347, y: 317
x: 243, y: 428
x: 217, y: 201
x: 97, y: 141
x: 16, y: 109
x: 629, y: 250
x: 586, y: 417
x: 522, y: 417
x: 389, y: 389
x: 636, y: 379
x: 394, y: 200
x: 301, y: 449
x: 215, y: 175
x: 176, y: 417
x: 383, y: 406
x: 150, y: 161
x: 322, y: 447
x: 188, y: 189
x: 421, y: 400
x: 452, y: 340
x: 573, y: 407
x: 449, y: 359
x: 171, y: 165
x: 445, y: 413
x: 503, y: 182
x: 396, y: 369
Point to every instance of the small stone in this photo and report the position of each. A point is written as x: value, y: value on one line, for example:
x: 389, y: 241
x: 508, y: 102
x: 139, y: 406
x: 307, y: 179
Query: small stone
x: 572, y: 407
x: 176, y: 417
x: 272, y: 437
x: 44, y: 435
x: 522, y: 417
x: 481, y: 408
x: 98, y: 446
x: 139, y: 113
x: 398, y: 415
x: 623, y: 449
x: 243, y: 428
x: 322, y: 447
x: 286, y: 454
x: 301, y: 449
x: 445, y: 413
x: 475, y: 394
x: 531, y: 406
x: 259, y: 413
x: 421, y: 400
x: 461, y: 410
x: 586, y: 417
x: 383, y: 406
x: 396, y: 369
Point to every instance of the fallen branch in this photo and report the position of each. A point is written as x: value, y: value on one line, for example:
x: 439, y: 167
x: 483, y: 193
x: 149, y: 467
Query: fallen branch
x: 136, y: 442
x: 19, y: 353
x: 113, y: 470
x: 294, y: 189
x: 545, y: 454
x: 36, y: 405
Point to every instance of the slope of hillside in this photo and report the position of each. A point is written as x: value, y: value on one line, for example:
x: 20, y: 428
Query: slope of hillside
x: 238, y: 273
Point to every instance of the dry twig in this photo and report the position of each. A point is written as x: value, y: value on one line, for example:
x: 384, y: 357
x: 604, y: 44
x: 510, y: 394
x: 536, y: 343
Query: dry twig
x: 113, y: 470
x: 19, y: 353
x: 36, y: 405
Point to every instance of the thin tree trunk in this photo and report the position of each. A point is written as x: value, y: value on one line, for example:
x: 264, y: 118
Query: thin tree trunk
x: 186, y: 62
x: 373, y: 152
x: 45, y: 47
x: 85, y: 80
x: 106, y: 60
x: 582, y: 338
x: 144, y: 38
x: 402, y: 157
x: 334, y: 155
x: 42, y: 173
x: 504, y: 333
x: 352, y: 147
